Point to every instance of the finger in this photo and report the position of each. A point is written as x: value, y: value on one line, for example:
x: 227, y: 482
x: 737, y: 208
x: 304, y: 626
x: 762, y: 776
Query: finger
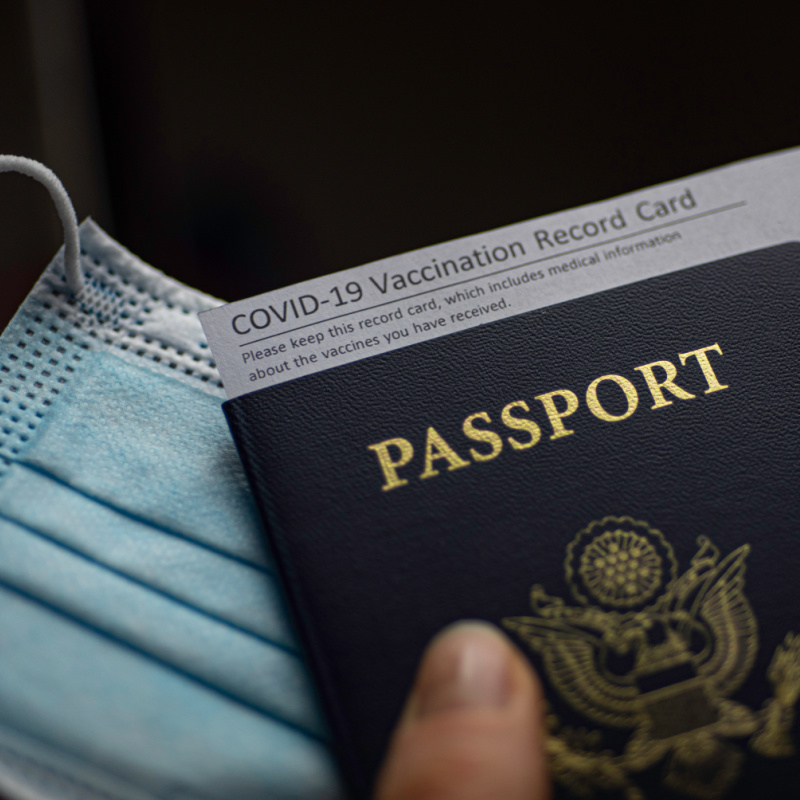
x: 473, y: 727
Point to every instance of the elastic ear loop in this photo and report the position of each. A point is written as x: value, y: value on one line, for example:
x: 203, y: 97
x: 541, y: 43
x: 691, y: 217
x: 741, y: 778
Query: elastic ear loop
x: 66, y: 212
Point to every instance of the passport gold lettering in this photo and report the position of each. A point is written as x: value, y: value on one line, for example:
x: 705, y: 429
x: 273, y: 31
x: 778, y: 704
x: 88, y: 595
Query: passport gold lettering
x: 520, y: 424
x: 620, y: 400
x: 554, y: 415
x: 705, y: 365
x: 628, y: 389
x: 437, y: 449
x: 657, y: 387
x: 390, y: 465
x: 482, y: 435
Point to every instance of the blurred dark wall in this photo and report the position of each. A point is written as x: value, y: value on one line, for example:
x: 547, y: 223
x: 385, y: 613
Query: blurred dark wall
x: 48, y: 111
x: 28, y: 229
x: 248, y: 145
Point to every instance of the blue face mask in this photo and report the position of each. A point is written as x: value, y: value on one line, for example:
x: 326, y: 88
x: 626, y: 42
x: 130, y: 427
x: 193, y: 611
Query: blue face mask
x: 144, y: 647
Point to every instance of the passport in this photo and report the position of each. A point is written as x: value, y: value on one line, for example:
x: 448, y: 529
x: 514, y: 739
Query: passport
x: 612, y: 479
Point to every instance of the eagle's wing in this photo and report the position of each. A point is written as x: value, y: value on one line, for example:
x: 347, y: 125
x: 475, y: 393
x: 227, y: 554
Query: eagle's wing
x: 570, y: 655
x: 723, y: 607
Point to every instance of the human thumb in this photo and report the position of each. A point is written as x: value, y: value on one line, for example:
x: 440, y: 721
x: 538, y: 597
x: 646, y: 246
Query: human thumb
x: 473, y: 726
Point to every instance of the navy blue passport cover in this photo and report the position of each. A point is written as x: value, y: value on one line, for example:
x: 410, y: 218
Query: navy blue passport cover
x: 664, y: 546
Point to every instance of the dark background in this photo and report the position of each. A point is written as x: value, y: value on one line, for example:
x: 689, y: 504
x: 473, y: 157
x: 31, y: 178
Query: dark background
x: 241, y: 146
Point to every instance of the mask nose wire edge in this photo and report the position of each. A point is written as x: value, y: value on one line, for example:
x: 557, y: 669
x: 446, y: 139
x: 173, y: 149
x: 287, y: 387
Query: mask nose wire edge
x: 66, y: 212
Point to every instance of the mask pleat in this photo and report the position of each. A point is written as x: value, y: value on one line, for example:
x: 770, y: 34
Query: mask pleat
x: 101, y: 704
x: 241, y: 595
x: 262, y: 676
x: 154, y: 449
x: 213, y: 583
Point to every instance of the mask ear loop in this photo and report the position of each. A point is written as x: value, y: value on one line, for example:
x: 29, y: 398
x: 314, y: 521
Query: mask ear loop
x: 66, y: 212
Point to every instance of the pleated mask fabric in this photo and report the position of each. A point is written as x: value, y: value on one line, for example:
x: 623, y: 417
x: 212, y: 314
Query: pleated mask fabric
x: 145, y: 651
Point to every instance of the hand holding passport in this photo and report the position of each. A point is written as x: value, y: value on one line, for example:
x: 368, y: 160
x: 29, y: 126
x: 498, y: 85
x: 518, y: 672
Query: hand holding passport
x: 473, y: 726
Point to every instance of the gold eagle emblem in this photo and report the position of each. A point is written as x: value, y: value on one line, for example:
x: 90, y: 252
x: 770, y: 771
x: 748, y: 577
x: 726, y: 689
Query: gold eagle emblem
x: 659, y: 654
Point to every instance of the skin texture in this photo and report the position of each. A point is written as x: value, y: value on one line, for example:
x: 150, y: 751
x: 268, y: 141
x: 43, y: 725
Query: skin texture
x: 473, y: 726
